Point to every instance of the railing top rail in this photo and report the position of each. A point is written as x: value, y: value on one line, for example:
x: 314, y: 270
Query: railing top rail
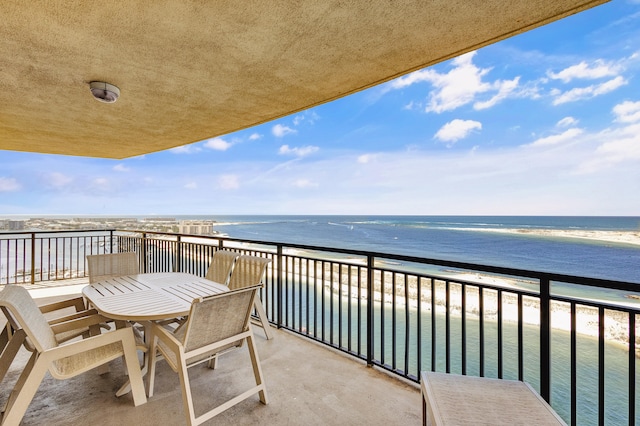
x: 53, y: 231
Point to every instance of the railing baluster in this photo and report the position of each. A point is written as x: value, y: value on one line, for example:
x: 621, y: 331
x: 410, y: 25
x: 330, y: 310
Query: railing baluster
x: 632, y: 369
x: 574, y: 372
x: 463, y: 328
x: 481, y: 330
x: 545, y: 339
x: 520, y: 340
x: 601, y: 383
x: 500, y: 343
x: 447, y: 335
x: 370, y: 326
x: 33, y: 258
x: 433, y: 325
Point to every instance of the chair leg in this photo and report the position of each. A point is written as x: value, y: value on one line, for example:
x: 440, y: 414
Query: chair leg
x: 257, y: 369
x: 187, y: 400
x: 25, y: 389
x: 10, y: 351
x: 213, y: 362
x: 263, y: 318
x: 5, y: 335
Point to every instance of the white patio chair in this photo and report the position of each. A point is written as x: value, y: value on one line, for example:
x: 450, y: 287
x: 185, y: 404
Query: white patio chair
x: 62, y: 361
x: 221, y: 266
x: 9, y: 348
x: 104, y: 266
x: 215, y: 325
x: 248, y: 271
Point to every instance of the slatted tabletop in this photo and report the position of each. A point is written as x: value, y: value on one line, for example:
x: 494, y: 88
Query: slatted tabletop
x: 153, y: 296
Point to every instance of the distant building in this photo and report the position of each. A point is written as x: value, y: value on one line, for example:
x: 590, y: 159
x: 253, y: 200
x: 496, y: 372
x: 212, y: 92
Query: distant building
x: 16, y: 225
x: 196, y: 227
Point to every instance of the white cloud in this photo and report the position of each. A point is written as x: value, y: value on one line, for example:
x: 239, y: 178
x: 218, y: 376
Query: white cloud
x: 627, y: 112
x: 620, y: 146
x: 58, y: 180
x: 306, y: 117
x: 121, y: 168
x: 218, y: 144
x: 599, y: 69
x: 505, y: 88
x: 298, y: 151
x: 460, y: 86
x: 412, y: 78
x: 366, y: 158
x: 457, y: 87
x: 229, y: 182
x: 185, y: 149
x: 453, y: 89
x: 580, y: 93
x: 191, y: 185
x: 457, y: 129
x: 566, y: 122
x: 280, y: 130
x: 413, y: 105
x: 255, y: 136
x: 304, y: 183
x: 566, y: 136
x: 9, y: 184
x: 101, y: 183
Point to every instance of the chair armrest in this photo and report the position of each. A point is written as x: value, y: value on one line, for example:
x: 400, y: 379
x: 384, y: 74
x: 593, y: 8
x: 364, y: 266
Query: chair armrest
x: 77, y: 302
x: 89, y: 343
x: 166, y: 336
x: 79, y: 314
x: 82, y: 322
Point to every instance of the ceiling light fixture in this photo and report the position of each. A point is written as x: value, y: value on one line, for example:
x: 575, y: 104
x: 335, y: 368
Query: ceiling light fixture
x: 104, y: 92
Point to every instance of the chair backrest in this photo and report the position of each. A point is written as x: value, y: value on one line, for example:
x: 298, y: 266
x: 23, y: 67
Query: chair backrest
x: 104, y: 266
x: 221, y: 266
x: 22, y: 312
x: 248, y: 271
x: 218, y: 317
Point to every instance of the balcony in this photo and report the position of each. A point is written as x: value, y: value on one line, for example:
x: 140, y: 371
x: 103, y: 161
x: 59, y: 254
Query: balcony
x: 307, y: 383
x: 572, y: 338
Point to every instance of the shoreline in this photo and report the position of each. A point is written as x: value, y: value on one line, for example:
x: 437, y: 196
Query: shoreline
x: 616, y: 237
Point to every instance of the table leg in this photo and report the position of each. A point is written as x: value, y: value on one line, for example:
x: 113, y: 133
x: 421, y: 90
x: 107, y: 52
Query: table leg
x: 126, y: 388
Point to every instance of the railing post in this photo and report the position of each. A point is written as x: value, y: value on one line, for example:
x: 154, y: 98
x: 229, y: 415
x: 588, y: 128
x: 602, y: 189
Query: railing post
x: 177, y: 264
x: 33, y: 258
x: 144, y: 252
x: 279, y: 284
x: 370, y: 300
x: 545, y: 339
x: 111, y: 242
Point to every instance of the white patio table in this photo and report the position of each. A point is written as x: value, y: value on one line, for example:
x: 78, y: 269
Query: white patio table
x: 148, y: 297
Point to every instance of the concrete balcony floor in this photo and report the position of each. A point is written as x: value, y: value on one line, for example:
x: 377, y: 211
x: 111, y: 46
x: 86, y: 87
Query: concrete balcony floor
x: 307, y: 384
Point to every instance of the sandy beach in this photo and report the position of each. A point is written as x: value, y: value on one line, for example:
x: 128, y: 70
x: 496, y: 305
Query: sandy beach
x: 616, y: 237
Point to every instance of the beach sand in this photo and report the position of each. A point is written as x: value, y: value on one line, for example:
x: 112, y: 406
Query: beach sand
x: 617, y: 237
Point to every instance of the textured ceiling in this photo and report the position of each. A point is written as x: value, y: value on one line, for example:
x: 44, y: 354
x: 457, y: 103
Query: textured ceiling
x: 189, y: 70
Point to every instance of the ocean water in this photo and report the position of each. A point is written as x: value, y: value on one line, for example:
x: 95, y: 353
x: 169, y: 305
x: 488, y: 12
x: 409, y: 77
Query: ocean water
x: 473, y: 239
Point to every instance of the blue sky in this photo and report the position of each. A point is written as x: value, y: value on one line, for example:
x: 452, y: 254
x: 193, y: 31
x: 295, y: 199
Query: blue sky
x: 544, y: 123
